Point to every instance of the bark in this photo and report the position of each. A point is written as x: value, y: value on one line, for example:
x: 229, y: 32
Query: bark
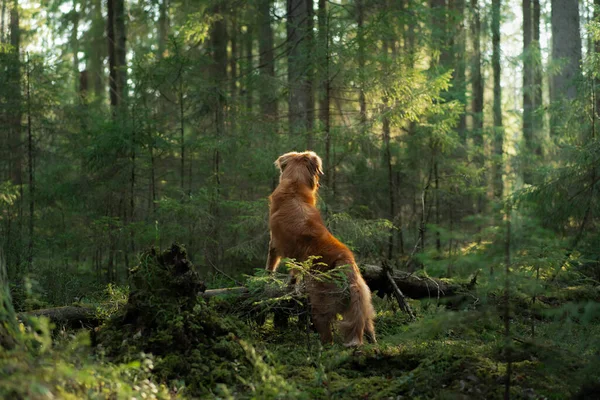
x: 388, y: 157
x: 566, y: 46
x: 498, y: 138
x: 233, y: 74
x: 360, y: 20
x: 527, y: 82
x: 30, y: 163
x: 248, y: 43
x: 97, y: 52
x: 218, y: 38
x: 325, y: 86
x: 121, y: 47
x: 537, y: 73
x: 477, y: 89
x: 2, y: 19
x: 8, y: 319
x: 14, y: 110
x: 299, y: 37
x: 112, y: 55
x: 268, y: 90
x: 75, y: 45
x: 597, y: 50
x: 116, y: 35
x: 457, y: 8
x: 163, y: 27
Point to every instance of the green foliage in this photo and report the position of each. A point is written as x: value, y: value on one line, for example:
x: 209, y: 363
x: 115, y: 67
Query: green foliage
x: 70, y: 370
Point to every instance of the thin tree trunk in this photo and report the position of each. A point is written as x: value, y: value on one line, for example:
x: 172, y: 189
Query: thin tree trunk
x: 299, y: 35
x: 163, y: 27
x: 2, y: 23
x: 75, y: 45
x: 457, y: 8
x: 438, y: 241
x: 498, y: 138
x: 97, y: 52
x: 268, y: 95
x: 388, y: 159
x: 30, y: 162
x: 181, y: 134
x: 597, y: 49
x: 360, y: 19
x: 121, y: 48
x: 538, y: 118
x: 507, y: 337
x: 527, y: 84
x: 477, y: 89
x: 14, y: 88
x: 8, y: 320
x: 249, y: 68
x: 325, y: 94
x: 112, y: 56
x: 233, y: 42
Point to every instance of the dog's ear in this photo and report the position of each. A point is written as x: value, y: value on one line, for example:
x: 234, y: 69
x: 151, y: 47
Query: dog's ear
x: 315, y: 164
x: 283, y: 160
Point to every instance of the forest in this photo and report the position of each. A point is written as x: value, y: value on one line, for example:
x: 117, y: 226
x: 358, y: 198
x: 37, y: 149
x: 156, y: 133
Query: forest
x: 461, y: 166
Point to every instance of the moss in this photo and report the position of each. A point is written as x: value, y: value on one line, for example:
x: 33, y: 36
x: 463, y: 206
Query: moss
x: 165, y: 316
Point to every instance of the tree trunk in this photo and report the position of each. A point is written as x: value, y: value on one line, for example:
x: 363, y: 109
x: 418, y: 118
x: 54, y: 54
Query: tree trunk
x: 388, y: 157
x: 14, y: 110
x: 477, y: 95
x: 299, y: 35
x: 2, y: 19
x: 8, y: 320
x: 457, y: 9
x: 121, y: 47
x: 527, y: 87
x: 75, y: 45
x: 325, y: 85
x: 360, y: 20
x: 248, y: 43
x: 30, y: 163
x: 117, y: 61
x: 538, y: 118
x: 498, y: 138
x: 218, y: 39
x: 97, y: 52
x: 268, y: 89
x: 566, y: 46
x: 163, y: 27
x: 597, y: 49
x: 112, y: 55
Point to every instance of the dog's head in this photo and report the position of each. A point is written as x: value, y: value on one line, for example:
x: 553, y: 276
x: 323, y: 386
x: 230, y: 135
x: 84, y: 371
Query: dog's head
x: 305, y: 167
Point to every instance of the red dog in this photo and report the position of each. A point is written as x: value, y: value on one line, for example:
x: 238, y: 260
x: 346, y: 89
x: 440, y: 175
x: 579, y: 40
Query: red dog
x: 298, y: 232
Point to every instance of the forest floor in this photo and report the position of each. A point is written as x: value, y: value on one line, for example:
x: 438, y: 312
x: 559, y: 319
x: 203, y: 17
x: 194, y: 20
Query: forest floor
x: 162, y: 341
x: 442, y: 355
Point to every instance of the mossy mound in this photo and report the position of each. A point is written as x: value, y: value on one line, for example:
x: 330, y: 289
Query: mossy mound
x: 193, y: 345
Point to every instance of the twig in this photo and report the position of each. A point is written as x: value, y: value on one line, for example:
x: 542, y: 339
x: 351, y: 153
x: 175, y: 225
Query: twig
x: 397, y: 292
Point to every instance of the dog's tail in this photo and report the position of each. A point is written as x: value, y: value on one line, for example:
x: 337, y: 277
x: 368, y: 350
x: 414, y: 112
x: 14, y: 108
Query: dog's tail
x: 358, y: 317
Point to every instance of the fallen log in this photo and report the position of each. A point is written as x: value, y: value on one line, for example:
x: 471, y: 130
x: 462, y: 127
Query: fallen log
x: 412, y: 286
x: 70, y: 316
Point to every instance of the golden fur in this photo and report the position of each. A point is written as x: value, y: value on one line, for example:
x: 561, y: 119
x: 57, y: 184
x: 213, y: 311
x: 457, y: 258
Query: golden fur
x: 298, y: 232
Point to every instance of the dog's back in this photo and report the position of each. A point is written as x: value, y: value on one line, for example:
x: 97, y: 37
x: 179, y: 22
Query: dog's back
x: 298, y: 232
